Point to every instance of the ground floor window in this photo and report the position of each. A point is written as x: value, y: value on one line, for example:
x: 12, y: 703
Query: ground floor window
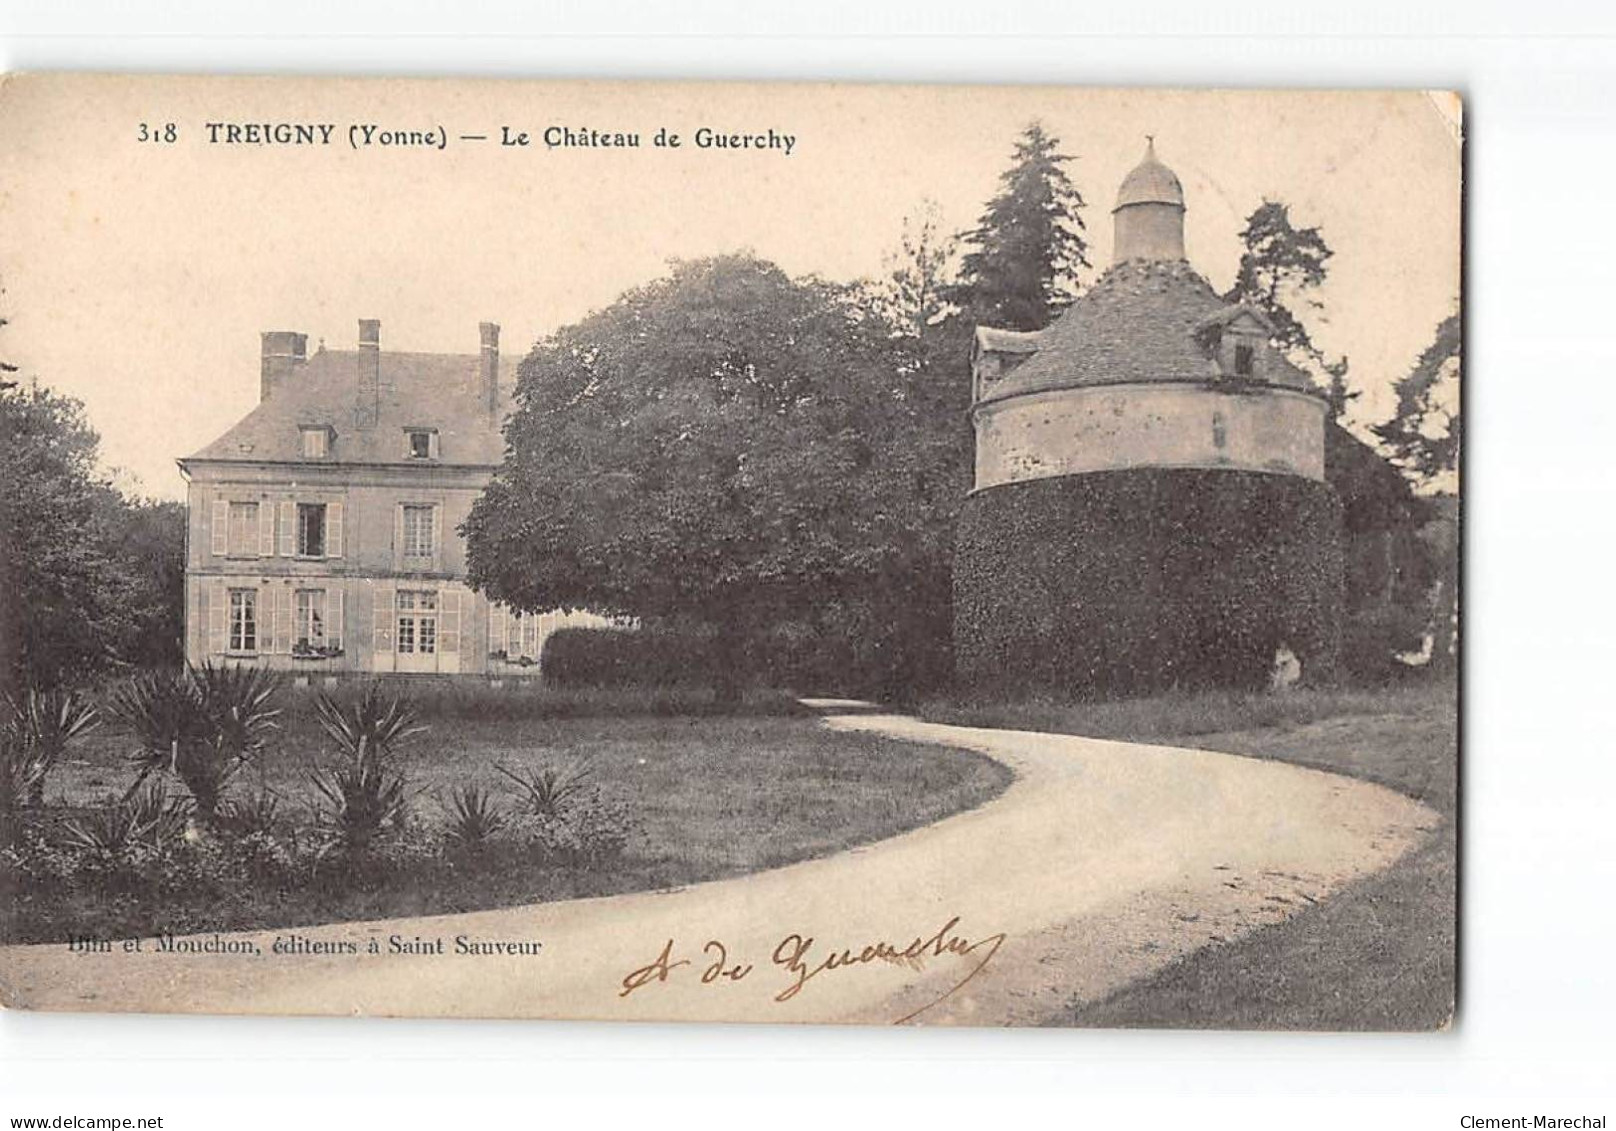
x: 417, y: 622
x: 243, y: 620
x: 310, y: 618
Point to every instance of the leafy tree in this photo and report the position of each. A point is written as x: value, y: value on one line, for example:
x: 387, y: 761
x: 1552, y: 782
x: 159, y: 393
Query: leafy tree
x: 146, y: 537
x: 90, y: 580
x: 1425, y: 435
x: 725, y: 443
x: 912, y: 296
x: 1425, y: 431
x: 60, y: 609
x: 1028, y: 245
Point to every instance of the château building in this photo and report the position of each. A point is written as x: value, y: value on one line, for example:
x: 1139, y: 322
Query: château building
x: 323, y: 532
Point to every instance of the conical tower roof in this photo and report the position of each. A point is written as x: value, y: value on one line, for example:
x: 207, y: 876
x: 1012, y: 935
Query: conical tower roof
x: 1150, y: 182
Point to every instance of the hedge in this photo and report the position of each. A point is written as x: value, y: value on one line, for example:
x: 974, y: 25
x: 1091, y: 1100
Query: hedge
x: 617, y: 657
x: 1132, y: 582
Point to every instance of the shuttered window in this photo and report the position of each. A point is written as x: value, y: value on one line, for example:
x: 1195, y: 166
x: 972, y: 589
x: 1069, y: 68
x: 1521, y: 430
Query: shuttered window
x: 243, y: 536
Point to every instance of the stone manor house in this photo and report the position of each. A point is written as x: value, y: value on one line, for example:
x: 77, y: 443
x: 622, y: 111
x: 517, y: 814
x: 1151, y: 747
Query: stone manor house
x: 323, y: 525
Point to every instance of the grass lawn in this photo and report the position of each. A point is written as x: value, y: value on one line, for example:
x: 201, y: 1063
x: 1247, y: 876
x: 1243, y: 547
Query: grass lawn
x: 1379, y: 955
x: 709, y: 796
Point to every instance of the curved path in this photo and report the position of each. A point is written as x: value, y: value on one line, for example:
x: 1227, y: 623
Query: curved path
x: 1099, y: 864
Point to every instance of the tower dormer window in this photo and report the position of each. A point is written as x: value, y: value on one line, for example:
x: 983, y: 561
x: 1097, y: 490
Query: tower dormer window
x: 1245, y: 359
x: 421, y: 443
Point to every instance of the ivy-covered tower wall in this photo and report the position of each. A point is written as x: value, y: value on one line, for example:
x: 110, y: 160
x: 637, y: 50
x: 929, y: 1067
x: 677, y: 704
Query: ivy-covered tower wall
x: 1150, y: 509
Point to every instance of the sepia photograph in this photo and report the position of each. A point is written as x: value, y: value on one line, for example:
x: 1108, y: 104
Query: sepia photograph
x: 731, y: 552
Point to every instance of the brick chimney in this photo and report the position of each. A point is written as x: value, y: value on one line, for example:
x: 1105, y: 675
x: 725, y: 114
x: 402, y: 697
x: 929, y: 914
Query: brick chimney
x: 367, y: 405
x: 281, y: 353
x: 489, y: 363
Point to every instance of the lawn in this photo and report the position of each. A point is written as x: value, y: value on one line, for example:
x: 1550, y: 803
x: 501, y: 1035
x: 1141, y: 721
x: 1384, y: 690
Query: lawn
x: 707, y: 795
x: 1380, y: 955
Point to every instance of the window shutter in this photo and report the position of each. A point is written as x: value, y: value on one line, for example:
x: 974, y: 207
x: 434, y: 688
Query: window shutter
x: 382, y: 626
x: 288, y: 528
x: 398, y: 536
x: 333, y: 530
x: 218, y: 617
x: 437, y: 535
x: 221, y: 527
x: 449, y: 621
x: 496, y: 627
x: 264, y: 615
x: 432, y: 445
x: 285, y: 605
x: 335, y: 623
x: 266, y: 529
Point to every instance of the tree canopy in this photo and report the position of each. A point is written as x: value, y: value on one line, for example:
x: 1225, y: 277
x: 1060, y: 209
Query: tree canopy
x: 1426, y: 431
x: 92, y: 580
x: 1028, y: 245
x: 726, y: 442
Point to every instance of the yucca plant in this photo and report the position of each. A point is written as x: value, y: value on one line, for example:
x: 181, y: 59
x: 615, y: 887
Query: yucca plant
x: 180, y: 732
x: 257, y: 814
x: 474, y: 816
x: 145, y: 819
x: 364, y: 792
x: 20, y: 773
x: 361, y: 797
x: 47, y: 722
x: 238, y: 703
x: 372, y: 727
x: 164, y: 710
x: 547, y: 790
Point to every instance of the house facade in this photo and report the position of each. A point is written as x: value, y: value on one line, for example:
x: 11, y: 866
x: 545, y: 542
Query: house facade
x: 323, y: 533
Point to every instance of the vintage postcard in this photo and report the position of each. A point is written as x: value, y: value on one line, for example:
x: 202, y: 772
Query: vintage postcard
x: 730, y: 552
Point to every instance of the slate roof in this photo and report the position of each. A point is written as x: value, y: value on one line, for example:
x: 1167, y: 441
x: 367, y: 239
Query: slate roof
x: 418, y: 390
x: 1143, y: 320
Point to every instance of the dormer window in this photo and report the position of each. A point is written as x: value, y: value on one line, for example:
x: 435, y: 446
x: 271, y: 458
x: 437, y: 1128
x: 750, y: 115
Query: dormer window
x: 314, y: 441
x: 421, y: 443
x: 1239, y: 355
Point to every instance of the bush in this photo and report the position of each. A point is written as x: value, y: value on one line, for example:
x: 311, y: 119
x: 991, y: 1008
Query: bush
x: 589, y: 831
x: 1127, y: 583
x: 1372, y: 639
x: 607, y: 657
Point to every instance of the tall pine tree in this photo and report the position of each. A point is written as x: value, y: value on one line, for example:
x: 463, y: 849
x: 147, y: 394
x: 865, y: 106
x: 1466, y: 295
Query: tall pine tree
x: 1281, y: 267
x: 1028, y: 245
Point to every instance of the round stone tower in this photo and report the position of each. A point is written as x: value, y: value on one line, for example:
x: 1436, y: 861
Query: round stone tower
x: 1150, y: 507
